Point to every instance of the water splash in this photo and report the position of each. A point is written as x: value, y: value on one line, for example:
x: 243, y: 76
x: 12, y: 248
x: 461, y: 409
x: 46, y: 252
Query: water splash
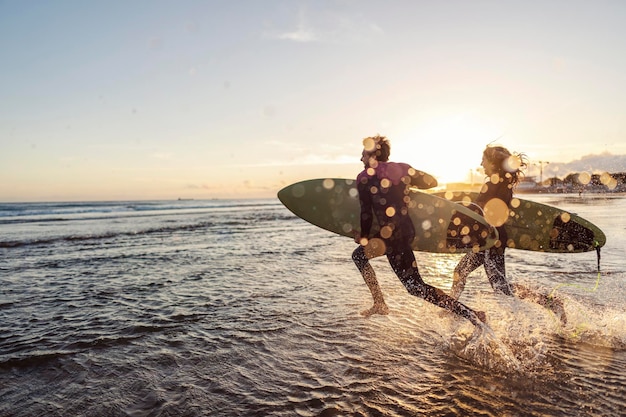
x: 605, y: 327
x: 484, y: 349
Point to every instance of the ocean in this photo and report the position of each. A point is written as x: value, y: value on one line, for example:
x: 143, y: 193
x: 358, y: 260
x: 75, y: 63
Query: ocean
x: 239, y: 308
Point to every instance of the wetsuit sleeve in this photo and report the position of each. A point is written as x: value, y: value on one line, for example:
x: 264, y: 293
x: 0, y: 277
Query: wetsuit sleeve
x: 421, y: 180
x: 365, y: 198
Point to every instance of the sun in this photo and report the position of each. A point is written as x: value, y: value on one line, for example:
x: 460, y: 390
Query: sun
x: 448, y: 147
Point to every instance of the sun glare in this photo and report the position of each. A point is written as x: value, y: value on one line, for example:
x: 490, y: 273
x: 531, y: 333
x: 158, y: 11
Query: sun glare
x: 450, y: 148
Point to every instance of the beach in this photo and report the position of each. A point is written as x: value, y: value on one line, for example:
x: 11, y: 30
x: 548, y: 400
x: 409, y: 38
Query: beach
x: 238, y: 307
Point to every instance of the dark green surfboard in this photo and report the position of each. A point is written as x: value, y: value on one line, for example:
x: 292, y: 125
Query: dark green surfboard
x: 540, y: 227
x: 441, y: 226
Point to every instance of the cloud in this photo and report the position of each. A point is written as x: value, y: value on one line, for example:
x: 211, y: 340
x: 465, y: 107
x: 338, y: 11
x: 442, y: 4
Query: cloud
x: 302, y: 32
x: 604, y: 162
x: 326, y: 26
x: 299, y: 35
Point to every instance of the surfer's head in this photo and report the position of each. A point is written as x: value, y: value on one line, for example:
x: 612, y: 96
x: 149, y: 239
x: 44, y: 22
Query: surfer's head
x: 375, y: 148
x: 499, y: 160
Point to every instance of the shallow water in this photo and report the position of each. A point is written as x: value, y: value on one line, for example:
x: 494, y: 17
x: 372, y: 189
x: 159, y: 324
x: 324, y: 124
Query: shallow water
x: 239, y: 308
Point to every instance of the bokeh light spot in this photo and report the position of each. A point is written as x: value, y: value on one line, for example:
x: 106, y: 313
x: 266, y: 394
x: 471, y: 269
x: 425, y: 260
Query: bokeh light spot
x: 584, y: 178
x: 386, y: 232
x: 297, y: 190
x: 496, y: 212
x: 608, y: 180
x: 554, y: 233
x: 512, y: 163
x: 375, y: 248
x: 369, y: 144
x: 524, y: 241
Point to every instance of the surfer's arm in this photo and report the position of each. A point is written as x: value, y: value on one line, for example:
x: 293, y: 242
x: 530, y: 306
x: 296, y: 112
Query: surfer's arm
x: 421, y: 180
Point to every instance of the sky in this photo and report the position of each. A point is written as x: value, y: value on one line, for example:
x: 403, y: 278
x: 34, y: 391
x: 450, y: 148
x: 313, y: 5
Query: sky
x: 134, y: 100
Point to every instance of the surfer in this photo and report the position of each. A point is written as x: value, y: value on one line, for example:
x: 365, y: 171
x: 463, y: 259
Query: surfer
x: 504, y: 171
x: 383, y: 189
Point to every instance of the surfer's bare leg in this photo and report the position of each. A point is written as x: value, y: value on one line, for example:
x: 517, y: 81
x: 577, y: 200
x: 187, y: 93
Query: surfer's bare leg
x: 496, y: 272
x: 458, y: 284
x: 403, y: 263
x: 417, y: 287
x: 369, y: 276
x: 468, y: 263
x: 379, y: 307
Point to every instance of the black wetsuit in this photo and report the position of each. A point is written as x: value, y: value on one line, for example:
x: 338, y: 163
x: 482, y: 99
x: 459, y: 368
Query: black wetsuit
x: 383, y: 194
x: 492, y: 258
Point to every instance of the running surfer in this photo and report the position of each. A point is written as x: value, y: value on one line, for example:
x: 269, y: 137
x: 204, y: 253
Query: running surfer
x: 383, y: 189
x: 503, y: 170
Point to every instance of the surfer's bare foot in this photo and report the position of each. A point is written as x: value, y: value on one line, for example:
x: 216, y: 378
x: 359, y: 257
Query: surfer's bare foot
x: 381, y: 309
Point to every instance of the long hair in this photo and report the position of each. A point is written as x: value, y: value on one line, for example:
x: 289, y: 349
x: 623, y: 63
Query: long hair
x: 508, y: 165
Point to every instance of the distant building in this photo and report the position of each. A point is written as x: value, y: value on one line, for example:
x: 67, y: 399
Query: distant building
x: 528, y: 185
x: 595, y: 183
